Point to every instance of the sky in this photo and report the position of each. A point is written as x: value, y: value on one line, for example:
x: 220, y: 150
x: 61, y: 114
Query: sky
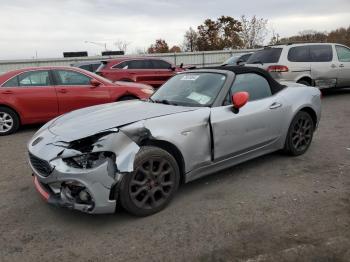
x: 47, y: 28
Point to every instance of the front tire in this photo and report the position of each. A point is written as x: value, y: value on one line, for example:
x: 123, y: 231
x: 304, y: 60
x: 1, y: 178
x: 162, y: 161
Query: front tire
x: 300, y: 134
x: 9, y: 121
x: 152, y: 185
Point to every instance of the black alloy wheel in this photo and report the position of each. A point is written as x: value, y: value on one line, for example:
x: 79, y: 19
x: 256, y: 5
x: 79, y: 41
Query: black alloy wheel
x: 300, y: 134
x: 153, y: 183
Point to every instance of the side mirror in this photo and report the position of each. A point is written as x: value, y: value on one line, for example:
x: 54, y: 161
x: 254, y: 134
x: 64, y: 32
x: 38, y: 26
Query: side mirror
x: 239, y: 99
x: 95, y: 83
x: 239, y: 62
x: 173, y: 68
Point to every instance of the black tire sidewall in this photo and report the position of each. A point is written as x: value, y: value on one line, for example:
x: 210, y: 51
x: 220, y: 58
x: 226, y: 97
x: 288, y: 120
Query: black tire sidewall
x: 16, y: 122
x: 289, y: 148
x: 124, y: 195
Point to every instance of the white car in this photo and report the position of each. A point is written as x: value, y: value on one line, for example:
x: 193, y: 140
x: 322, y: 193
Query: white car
x: 323, y: 65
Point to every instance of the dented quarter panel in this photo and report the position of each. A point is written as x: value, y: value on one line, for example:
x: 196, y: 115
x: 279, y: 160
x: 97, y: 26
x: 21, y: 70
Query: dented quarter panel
x: 189, y: 132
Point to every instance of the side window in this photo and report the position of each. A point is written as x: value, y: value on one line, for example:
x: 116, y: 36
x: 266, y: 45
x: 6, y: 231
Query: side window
x: 160, y: 64
x: 244, y: 58
x: 33, y: 78
x: 343, y: 53
x: 299, y: 54
x: 86, y: 67
x: 94, y: 67
x: 256, y: 86
x: 137, y: 64
x: 65, y: 77
x: 321, y: 53
x: 122, y: 65
x: 13, y: 82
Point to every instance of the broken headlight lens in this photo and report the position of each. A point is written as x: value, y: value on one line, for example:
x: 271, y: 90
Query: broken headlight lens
x: 88, y: 160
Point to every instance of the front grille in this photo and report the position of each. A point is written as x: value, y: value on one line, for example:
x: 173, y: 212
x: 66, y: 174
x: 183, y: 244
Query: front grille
x: 41, y: 166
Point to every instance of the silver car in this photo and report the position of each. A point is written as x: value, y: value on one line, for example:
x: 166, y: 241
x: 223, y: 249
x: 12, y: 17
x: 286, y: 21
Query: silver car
x: 137, y: 153
x: 314, y: 64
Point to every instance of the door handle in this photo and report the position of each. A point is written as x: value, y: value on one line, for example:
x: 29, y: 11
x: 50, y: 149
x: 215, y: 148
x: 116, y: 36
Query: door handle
x: 7, y: 92
x: 341, y: 65
x: 62, y: 90
x: 275, y: 105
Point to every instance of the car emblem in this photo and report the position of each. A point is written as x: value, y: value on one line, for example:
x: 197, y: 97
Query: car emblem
x: 37, y: 141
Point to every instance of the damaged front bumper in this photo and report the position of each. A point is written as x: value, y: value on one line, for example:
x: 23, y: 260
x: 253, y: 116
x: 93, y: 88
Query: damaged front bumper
x: 91, y: 190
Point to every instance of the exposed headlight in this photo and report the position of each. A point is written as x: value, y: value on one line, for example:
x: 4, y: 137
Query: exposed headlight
x: 88, y: 160
x: 147, y: 91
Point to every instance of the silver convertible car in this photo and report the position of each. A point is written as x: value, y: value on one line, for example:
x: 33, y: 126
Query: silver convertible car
x: 137, y: 153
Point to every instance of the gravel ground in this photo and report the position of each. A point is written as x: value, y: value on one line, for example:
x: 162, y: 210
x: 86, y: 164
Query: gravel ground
x: 275, y: 208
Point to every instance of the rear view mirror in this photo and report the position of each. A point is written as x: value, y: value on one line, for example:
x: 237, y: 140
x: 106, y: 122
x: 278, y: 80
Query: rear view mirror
x: 239, y: 99
x: 95, y: 83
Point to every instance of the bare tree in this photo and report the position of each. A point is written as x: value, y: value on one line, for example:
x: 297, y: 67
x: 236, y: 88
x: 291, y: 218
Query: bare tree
x: 275, y: 38
x: 190, y: 40
x: 122, y: 45
x: 254, y: 31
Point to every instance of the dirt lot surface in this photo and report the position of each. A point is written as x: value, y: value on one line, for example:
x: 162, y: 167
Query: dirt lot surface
x: 274, y: 208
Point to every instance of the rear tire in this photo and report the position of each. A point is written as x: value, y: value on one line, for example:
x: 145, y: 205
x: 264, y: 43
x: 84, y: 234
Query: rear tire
x: 9, y: 121
x: 300, y: 134
x: 304, y: 82
x: 152, y: 185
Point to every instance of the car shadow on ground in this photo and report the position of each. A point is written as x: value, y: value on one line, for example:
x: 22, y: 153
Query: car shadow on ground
x: 335, y: 92
x: 121, y: 217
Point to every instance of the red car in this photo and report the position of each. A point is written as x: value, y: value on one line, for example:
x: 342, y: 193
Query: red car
x: 148, y: 70
x: 36, y: 95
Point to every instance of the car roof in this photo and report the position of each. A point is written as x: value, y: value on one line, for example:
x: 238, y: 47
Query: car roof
x: 87, y: 63
x: 125, y: 58
x: 275, y: 86
x: 298, y: 44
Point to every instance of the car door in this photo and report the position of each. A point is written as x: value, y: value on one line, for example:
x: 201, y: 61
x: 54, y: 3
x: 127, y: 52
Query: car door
x: 162, y: 71
x: 32, y: 94
x: 256, y: 126
x: 343, y: 54
x: 323, y: 68
x: 74, y: 91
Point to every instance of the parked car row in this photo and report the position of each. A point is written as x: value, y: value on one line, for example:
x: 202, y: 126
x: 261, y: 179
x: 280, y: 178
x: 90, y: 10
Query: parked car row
x: 35, y: 95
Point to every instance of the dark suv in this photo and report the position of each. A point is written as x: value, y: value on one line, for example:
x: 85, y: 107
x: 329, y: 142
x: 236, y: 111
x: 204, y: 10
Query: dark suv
x: 148, y: 70
x: 324, y: 65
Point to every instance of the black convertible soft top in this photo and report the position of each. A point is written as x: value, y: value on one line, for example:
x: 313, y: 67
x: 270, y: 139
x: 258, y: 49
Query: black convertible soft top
x: 275, y: 86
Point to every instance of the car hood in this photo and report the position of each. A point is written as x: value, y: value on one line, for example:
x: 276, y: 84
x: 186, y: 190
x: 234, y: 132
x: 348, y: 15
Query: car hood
x: 91, y: 120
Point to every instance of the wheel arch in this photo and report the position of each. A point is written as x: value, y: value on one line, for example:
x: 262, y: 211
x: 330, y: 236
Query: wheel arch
x: 312, y: 113
x: 126, y: 95
x: 171, y: 149
x: 14, y: 110
x: 307, y: 79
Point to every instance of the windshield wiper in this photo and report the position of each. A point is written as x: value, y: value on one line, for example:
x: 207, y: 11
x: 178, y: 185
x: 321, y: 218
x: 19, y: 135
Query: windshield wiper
x: 165, y: 102
x: 258, y: 62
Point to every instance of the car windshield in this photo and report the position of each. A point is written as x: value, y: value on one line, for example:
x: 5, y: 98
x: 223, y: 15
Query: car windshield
x: 232, y: 60
x: 268, y: 55
x: 190, y: 89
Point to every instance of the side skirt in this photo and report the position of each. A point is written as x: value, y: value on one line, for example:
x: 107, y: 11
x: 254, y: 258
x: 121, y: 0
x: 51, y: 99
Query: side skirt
x: 229, y: 162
